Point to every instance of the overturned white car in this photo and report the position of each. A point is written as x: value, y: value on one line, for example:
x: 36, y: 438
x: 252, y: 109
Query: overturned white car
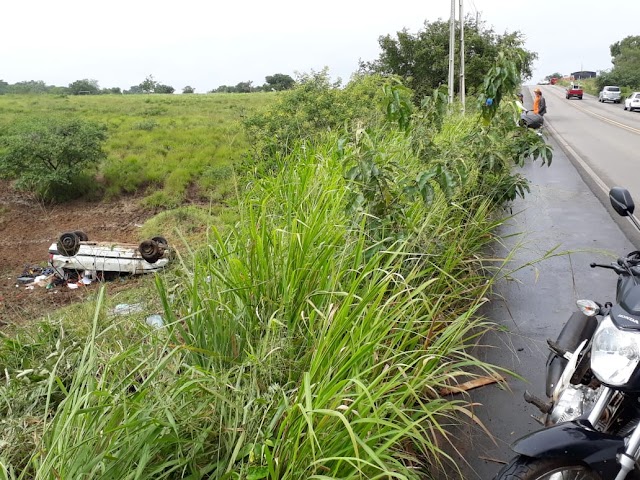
x: 74, y: 251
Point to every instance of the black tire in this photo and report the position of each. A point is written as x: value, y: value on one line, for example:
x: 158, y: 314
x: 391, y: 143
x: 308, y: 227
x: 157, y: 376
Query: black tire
x: 625, y: 107
x: 579, y: 98
x: 68, y: 244
x: 161, y: 241
x: 527, y: 468
x: 150, y: 251
x: 81, y: 235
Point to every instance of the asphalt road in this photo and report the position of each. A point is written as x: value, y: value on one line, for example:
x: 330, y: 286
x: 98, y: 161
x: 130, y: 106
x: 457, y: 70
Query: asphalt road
x: 567, y: 212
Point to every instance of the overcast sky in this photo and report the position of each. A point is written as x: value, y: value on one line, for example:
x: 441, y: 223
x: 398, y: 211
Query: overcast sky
x: 206, y: 44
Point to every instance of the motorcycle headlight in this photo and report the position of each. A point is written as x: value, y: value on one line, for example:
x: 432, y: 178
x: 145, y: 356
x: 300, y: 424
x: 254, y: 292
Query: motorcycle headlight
x: 615, y: 353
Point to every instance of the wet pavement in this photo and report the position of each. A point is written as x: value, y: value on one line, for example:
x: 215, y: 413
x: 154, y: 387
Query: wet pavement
x: 571, y: 224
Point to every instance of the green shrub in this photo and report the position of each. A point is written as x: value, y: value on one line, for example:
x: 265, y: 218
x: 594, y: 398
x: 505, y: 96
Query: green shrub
x: 313, y: 106
x: 47, y: 154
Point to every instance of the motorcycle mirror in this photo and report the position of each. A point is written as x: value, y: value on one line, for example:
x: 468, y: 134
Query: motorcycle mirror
x: 621, y: 201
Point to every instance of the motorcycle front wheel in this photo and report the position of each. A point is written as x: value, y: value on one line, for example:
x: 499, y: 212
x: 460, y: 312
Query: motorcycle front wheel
x: 527, y: 468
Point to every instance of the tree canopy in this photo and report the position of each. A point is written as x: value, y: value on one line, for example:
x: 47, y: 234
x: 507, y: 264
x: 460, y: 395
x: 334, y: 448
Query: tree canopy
x: 625, y: 56
x: 84, y: 87
x: 47, y: 154
x: 422, y: 59
x: 279, y: 82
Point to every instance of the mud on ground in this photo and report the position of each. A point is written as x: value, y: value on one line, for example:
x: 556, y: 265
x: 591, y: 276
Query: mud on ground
x: 27, y: 229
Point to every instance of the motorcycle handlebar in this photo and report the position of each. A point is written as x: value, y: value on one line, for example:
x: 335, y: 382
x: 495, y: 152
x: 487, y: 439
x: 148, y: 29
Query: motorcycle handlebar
x: 613, y: 266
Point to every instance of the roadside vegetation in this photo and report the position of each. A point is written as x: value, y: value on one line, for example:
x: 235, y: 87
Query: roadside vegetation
x: 313, y: 330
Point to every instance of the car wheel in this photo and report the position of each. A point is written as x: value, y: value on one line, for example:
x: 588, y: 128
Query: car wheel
x: 567, y: 97
x: 161, y: 240
x: 151, y: 251
x: 579, y: 98
x: 68, y: 244
x: 625, y: 107
x: 81, y: 235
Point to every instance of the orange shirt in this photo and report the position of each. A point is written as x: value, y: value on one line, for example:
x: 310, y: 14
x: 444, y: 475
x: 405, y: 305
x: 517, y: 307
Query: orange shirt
x: 536, y: 104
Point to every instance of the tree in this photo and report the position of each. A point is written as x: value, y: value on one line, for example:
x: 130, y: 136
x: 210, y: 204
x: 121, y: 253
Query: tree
x: 84, y: 87
x: 112, y: 90
x: 47, y: 154
x: 626, y: 64
x: 421, y: 60
x: 244, y: 87
x: 134, y: 89
x: 148, y: 85
x: 160, y: 88
x: 222, y: 89
x: 3, y: 87
x: 31, y: 86
x: 553, y: 75
x: 278, y: 82
x: 188, y: 89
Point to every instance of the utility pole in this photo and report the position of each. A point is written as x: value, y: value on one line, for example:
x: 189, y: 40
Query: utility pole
x: 452, y: 39
x: 462, y: 89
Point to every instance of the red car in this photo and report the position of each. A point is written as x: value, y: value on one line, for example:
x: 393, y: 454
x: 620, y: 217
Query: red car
x: 574, y: 90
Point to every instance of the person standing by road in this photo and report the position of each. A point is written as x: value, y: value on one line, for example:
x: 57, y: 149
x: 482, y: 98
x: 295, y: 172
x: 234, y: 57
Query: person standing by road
x: 520, y: 103
x: 539, y: 103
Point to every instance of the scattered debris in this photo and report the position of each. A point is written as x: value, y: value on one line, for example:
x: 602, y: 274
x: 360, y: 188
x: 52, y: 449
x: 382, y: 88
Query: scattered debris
x: 155, y: 321
x: 471, y: 384
x: 127, y: 309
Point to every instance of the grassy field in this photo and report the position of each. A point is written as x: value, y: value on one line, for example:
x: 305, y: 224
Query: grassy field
x: 167, y: 147
x: 309, y: 337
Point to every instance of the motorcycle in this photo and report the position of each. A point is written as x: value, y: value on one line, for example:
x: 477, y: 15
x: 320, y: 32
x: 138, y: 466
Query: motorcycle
x: 592, y: 418
x: 531, y: 120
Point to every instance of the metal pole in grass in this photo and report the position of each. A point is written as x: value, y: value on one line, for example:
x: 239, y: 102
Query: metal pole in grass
x: 452, y: 39
x: 462, y: 89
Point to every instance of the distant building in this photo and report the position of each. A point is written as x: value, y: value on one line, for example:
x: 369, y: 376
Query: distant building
x: 583, y: 74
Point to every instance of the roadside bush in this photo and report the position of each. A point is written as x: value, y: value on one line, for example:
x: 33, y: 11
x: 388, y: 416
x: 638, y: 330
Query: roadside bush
x: 315, y: 105
x: 45, y: 155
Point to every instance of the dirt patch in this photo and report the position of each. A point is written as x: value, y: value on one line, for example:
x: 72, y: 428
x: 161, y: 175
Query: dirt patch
x: 27, y: 230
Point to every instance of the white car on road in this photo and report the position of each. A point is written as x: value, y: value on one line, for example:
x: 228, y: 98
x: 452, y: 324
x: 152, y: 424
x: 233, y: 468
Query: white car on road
x: 632, y: 102
x: 609, y: 93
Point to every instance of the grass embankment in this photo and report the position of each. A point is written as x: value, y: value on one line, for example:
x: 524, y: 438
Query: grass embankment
x: 311, y: 340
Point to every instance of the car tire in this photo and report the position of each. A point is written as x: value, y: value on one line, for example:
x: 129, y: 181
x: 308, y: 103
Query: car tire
x: 81, y: 235
x: 567, y: 96
x: 151, y: 251
x: 68, y: 244
x: 161, y: 241
x: 579, y: 98
x: 625, y: 107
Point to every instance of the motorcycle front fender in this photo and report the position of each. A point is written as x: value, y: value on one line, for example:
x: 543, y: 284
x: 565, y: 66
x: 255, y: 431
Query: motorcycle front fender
x: 577, y: 440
